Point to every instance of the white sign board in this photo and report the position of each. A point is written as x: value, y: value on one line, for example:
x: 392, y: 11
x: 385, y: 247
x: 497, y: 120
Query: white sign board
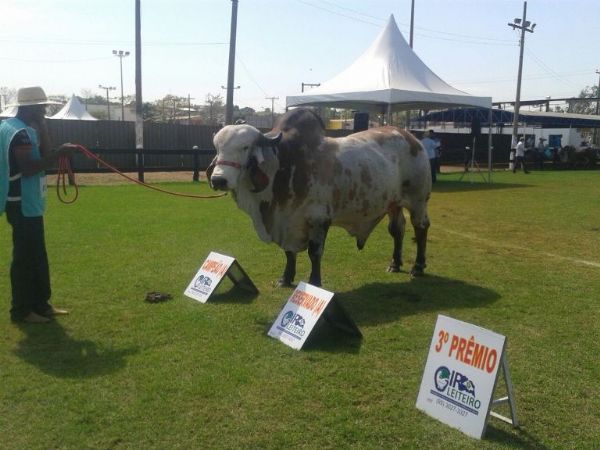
x: 209, y: 276
x: 460, y: 375
x: 300, y: 314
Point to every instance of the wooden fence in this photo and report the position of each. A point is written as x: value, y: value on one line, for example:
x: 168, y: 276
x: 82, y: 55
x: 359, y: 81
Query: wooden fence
x: 169, y: 147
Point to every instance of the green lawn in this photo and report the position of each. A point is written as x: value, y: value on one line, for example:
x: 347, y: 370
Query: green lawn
x: 520, y: 257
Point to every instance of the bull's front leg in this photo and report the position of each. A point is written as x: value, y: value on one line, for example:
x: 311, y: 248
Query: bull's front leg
x: 289, y: 272
x: 316, y: 246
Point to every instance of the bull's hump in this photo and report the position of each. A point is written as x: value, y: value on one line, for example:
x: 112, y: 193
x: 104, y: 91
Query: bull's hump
x: 413, y: 142
x: 384, y: 135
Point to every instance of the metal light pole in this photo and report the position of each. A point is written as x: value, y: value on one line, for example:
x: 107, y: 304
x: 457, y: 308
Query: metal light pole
x: 410, y: 43
x: 121, y: 54
x: 412, y: 22
x: 597, y: 105
x: 523, y: 25
x: 228, y: 108
x: 139, y: 117
x: 231, y: 70
x: 272, y: 106
x: 107, y: 88
x: 598, y: 94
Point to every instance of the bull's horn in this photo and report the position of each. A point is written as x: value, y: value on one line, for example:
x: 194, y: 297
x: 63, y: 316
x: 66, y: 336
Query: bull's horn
x: 264, y: 140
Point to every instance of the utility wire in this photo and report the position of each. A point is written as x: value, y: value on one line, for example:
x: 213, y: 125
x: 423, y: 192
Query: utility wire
x: 512, y: 80
x: 353, y: 10
x: 250, y: 75
x: 54, y: 60
x: 337, y: 13
x: 547, y: 68
x: 101, y: 42
x: 468, y: 38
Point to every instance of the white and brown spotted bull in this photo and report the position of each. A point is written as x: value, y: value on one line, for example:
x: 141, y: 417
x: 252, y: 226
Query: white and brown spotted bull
x: 295, y: 183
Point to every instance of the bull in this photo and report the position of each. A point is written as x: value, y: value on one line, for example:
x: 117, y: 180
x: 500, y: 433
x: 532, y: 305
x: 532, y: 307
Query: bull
x: 295, y: 183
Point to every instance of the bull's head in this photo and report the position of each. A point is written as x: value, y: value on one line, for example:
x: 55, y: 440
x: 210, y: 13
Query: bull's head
x: 239, y: 152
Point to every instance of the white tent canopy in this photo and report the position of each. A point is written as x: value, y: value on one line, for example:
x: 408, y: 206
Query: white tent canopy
x: 73, y: 110
x: 387, y: 75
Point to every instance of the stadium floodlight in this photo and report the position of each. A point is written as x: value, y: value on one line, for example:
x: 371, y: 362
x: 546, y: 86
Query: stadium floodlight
x: 121, y: 54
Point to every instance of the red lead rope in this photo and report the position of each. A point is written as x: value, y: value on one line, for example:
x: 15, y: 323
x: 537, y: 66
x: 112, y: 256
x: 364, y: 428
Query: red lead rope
x: 66, y: 173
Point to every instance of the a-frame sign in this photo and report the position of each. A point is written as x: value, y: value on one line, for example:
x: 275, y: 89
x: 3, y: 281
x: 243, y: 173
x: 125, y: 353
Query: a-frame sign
x: 307, y: 306
x: 212, y: 272
x: 461, y: 374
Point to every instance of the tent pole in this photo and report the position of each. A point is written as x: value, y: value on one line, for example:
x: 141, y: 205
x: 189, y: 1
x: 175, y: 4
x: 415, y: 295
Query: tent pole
x: 490, y: 146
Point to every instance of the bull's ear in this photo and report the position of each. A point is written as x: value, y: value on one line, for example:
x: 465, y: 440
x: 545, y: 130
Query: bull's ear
x: 258, y: 178
x: 209, y: 170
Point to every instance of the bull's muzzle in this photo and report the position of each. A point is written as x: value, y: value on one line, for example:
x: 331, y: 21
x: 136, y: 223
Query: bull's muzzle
x: 218, y: 183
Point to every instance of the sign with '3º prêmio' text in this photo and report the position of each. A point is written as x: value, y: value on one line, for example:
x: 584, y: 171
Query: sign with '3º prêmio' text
x: 460, y: 375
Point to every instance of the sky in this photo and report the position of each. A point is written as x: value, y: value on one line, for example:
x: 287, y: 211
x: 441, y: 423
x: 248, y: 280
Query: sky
x: 66, y: 46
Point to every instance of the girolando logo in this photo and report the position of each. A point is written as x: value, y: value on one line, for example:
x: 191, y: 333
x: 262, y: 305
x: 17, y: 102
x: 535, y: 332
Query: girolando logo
x: 202, y: 280
x: 442, y: 378
x: 293, y: 323
x: 287, y: 318
x: 456, y: 388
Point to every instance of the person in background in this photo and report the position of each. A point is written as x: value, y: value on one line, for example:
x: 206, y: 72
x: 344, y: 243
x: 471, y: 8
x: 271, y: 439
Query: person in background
x: 430, y: 145
x: 467, y: 158
x: 529, y: 143
x: 25, y: 153
x: 541, y: 148
x: 520, y: 156
x: 438, y: 155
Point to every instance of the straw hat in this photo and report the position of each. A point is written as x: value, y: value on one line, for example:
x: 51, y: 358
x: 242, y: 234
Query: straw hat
x: 34, y: 95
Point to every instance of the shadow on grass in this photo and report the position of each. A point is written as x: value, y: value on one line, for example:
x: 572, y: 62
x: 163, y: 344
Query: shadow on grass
x: 377, y: 303
x: 518, y: 438
x: 49, y: 348
x: 327, y: 338
x: 232, y: 295
x: 477, y: 184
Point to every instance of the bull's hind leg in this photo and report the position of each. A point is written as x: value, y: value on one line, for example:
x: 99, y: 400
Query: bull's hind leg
x: 420, y: 223
x: 396, y: 229
x: 289, y: 272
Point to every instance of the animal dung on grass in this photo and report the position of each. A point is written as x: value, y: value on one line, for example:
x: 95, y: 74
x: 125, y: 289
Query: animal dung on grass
x: 157, y: 297
x: 295, y: 183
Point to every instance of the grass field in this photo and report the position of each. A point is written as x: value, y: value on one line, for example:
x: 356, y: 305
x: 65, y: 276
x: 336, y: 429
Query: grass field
x: 520, y: 257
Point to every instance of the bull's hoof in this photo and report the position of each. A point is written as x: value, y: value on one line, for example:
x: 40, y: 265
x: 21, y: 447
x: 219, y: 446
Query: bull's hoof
x: 418, y: 270
x: 281, y: 283
x: 393, y: 268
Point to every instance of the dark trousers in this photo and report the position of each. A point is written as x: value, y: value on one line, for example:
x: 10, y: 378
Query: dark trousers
x: 433, y: 166
x: 520, y: 162
x: 29, y: 271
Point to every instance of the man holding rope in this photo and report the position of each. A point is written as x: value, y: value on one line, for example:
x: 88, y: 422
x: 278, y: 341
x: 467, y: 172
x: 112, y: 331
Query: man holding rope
x: 24, y: 155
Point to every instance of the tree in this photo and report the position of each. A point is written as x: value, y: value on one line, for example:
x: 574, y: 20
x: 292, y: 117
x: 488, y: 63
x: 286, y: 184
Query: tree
x: 214, y: 109
x: 584, y: 106
x: 7, y: 96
